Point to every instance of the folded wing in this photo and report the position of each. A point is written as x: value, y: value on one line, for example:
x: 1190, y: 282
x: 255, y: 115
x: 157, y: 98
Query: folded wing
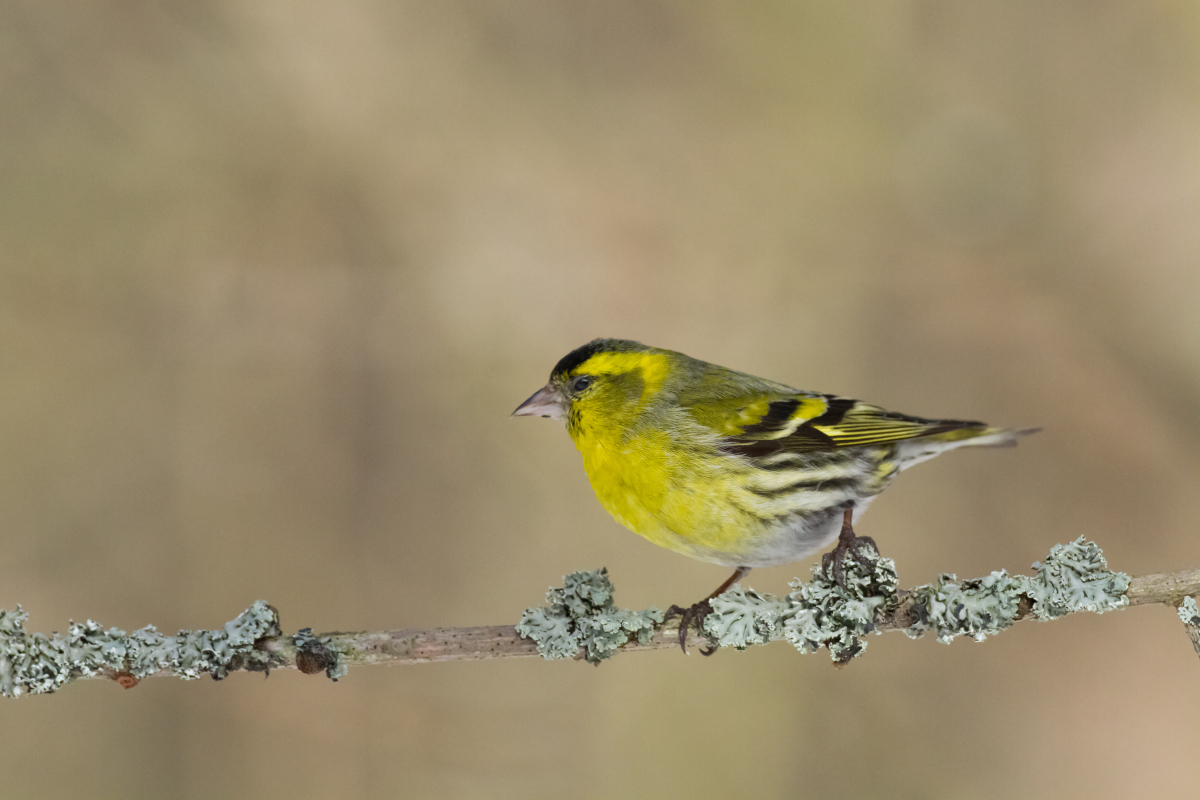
x: 803, y: 423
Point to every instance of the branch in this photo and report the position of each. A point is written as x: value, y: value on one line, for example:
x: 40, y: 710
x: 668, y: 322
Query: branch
x: 1190, y: 614
x: 580, y: 621
x: 503, y: 641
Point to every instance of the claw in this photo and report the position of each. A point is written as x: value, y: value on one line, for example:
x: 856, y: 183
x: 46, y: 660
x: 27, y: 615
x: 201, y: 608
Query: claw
x: 692, y: 614
x: 848, y: 543
x: 698, y: 611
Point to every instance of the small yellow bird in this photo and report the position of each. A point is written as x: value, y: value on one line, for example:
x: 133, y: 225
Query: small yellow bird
x: 729, y: 468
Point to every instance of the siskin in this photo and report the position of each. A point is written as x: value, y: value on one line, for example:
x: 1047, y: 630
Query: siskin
x: 729, y: 468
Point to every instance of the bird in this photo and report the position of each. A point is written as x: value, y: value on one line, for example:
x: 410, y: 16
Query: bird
x: 729, y: 468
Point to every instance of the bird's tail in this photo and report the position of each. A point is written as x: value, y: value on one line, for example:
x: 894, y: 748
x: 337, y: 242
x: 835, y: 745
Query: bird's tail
x: 915, y: 451
x: 986, y: 437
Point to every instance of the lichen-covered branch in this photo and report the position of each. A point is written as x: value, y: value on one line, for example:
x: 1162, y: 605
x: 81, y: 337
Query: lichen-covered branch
x: 1190, y: 614
x: 581, y: 621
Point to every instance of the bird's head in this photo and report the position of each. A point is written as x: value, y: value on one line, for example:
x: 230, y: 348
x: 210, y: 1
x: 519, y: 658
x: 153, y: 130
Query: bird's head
x: 606, y: 379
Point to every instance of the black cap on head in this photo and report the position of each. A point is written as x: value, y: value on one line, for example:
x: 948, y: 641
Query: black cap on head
x: 581, y: 354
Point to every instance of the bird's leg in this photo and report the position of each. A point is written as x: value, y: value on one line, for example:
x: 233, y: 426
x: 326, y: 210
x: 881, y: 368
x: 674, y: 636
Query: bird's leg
x: 848, y: 542
x: 737, y: 575
x: 698, y: 611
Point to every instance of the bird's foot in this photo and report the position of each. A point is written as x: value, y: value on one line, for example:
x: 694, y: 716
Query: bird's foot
x: 697, y: 612
x: 849, y: 544
x: 694, y: 613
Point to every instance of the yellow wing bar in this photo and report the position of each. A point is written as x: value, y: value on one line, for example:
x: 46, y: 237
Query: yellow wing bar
x: 807, y: 423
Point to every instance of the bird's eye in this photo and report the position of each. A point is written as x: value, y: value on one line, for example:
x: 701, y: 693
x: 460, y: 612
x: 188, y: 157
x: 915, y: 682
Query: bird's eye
x: 581, y: 383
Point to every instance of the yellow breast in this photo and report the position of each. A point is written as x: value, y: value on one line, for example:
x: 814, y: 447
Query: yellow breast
x: 674, y: 497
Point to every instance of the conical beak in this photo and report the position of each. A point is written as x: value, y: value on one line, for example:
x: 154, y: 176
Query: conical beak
x: 546, y: 402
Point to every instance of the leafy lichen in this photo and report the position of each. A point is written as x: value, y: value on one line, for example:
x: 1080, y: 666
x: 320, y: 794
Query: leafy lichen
x: 36, y: 663
x: 742, y: 618
x: 1075, y: 577
x: 580, y: 616
x: 822, y: 613
x: 1189, y: 612
x: 977, y: 608
x: 819, y: 613
x: 837, y: 617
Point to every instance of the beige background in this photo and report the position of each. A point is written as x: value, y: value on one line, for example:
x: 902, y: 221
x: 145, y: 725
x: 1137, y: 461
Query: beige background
x: 273, y: 275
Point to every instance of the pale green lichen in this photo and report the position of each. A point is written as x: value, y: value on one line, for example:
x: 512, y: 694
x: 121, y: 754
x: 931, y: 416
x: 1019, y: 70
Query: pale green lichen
x: 148, y: 652
x: 838, y: 617
x: 819, y: 613
x: 218, y: 652
x: 1075, y: 577
x: 1189, y: 612
x: 580, y: 616
x: 741, y: 618
x: 36, y: 663
x: 977, y: 608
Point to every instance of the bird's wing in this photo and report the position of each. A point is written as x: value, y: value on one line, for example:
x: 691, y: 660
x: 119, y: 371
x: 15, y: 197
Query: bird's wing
x: 773, y: 422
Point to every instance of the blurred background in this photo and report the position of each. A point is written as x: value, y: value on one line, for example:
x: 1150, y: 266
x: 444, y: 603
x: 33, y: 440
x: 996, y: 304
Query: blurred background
x: 274, y: 275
